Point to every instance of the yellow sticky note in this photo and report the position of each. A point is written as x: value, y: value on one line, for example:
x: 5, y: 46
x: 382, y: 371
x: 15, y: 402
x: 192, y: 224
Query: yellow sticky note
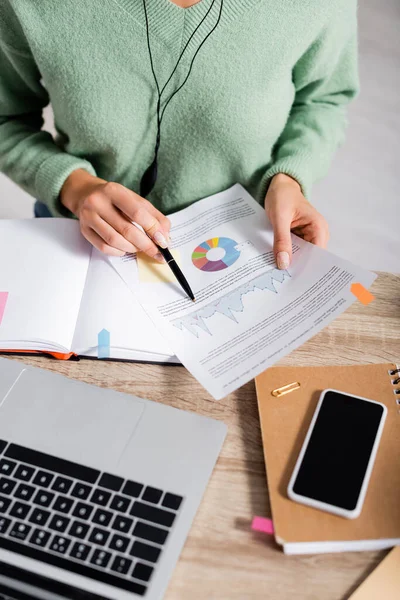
x: 151, y: 271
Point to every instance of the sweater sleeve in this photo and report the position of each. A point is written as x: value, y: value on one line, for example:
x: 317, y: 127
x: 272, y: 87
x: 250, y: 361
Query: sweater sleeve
x: 325, y: 79
x: 28, y: 155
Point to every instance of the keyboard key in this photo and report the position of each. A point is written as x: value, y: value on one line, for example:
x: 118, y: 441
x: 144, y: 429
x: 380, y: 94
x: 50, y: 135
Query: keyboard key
x: 121, y: 564
x: 59, y: 523
x: 78, y: 529
x: 81, y: 491
x: 3, y: 444
x: 152, y: 495
x: 4, y: 524
x: 82, y: 510
x: 19, y: 510
x: 57, y: 560
x: 43, y: 479
x: 100, y: 558
x: 119, y: 542
x: 80, y: 551
x: 100, y: 497
x: 102, y: 517
x: 151, y: 533
x: 122, y: 524
x: 4, y: 503
x: 172, y: 501
x: 120, y: 503
x: 144, y: 551
x: 25, y: 473
x: 59, y: 544
x: 63, y: 504
x: 152, y: 513
x: 43, y: 498
x: 20, y: 531
x: 62, y: 484
x: 52, y: 463
x: 132, y: 488
x: 111, y: 482
x: 39, y: 537
x: 99, y: 536
x: 24, y: 491
x: 7, y: 466
x: 6, y: 485
x: 39, y: 516
x: 142, y: 571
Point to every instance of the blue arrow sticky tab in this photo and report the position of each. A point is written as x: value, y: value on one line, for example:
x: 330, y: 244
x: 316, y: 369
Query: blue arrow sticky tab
x: 103, y: 344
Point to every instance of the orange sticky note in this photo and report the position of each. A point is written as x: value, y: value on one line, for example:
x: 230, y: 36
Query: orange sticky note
x: 361, y: 293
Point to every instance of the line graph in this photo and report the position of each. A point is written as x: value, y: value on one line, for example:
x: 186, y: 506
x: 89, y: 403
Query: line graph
x: 230, y: 303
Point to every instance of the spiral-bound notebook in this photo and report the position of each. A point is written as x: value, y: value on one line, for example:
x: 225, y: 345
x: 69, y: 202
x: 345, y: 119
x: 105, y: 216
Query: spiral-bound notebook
x: 285, y: 417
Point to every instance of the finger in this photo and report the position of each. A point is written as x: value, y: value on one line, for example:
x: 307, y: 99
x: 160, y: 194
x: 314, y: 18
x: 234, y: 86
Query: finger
x: 163, y: 220
x: 136, y: 209
x: 127, y: 230
x: 99, y: 243
x: 315, y: 233
x: 320, y: 236
x: 110, y: 236
x: 281, y: 221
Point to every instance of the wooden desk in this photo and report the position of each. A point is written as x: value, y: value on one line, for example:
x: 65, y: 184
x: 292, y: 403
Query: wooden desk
x: 223, y: 559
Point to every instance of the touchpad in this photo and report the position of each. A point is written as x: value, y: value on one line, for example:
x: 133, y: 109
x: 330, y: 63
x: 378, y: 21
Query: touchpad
x: 69, y: 419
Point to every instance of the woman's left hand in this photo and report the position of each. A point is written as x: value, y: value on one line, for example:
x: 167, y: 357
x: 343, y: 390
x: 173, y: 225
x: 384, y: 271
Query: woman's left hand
x: 288, y: 210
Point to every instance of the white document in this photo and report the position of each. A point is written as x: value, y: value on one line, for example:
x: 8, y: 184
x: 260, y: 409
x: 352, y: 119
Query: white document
x: 247, y: 313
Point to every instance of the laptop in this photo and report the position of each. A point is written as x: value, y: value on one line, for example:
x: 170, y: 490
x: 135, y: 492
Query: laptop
x: 98, y: 489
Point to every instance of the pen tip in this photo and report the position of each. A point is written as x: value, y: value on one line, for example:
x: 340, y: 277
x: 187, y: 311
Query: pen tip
x: 193, y: 299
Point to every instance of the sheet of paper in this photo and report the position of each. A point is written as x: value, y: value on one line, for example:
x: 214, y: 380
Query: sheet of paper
x: 247, y: 314
x: 43, y: 267
x: 108, y: 304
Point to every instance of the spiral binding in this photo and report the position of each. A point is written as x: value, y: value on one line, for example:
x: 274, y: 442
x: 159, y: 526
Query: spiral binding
x: 396, y: 381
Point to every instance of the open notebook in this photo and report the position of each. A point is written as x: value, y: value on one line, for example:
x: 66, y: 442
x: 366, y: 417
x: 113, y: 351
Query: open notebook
x: 284, y: 424
x: 43, y: 311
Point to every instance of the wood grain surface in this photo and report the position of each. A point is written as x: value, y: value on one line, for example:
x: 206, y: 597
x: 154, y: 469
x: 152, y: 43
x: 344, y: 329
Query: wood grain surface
x: 222, y: 558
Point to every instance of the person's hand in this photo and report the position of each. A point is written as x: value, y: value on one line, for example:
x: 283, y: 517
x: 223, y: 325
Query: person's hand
x: 106, y: 210
x: 288, y: 210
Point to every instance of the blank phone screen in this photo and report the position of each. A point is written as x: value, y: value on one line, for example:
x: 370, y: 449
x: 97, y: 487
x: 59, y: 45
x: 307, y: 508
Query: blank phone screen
x: 338, y: 451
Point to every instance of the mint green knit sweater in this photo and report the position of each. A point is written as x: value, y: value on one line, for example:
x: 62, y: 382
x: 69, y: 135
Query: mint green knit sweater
x: 267, y: 93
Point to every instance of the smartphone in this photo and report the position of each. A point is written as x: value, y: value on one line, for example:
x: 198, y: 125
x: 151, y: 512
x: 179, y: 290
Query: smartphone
x: 336, y: 460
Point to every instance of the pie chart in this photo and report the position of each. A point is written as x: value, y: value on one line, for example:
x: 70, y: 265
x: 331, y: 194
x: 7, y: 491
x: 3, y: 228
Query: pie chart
x: 215, y: 254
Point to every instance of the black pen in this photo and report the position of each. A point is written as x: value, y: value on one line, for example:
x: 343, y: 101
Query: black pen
x: 146, y: 185
x: 173, y: 265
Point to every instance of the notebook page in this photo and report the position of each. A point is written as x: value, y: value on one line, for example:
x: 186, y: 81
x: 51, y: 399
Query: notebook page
x: 43, y: 267
x: 108, y: 303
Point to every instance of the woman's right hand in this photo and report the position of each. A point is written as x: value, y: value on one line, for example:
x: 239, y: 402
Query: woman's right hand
x: 106, y: 210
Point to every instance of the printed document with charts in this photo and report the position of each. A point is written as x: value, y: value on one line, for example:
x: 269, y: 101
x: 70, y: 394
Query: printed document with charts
x: 247, y: 313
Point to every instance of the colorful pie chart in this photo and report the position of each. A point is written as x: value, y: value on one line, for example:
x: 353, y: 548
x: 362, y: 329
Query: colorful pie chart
x: 215, y: 254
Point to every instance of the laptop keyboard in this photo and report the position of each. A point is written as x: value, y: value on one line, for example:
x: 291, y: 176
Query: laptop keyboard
x: 74, y: 517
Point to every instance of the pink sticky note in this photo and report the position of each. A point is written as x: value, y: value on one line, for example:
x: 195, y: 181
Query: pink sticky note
x: 262, y: 524
x: 3, y: 302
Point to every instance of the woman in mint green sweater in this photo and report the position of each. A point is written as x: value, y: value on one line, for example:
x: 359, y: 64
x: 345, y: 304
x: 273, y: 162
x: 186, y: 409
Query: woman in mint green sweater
x: 264, y: 106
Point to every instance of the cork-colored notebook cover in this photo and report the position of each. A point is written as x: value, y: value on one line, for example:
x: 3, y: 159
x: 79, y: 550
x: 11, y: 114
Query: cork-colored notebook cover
x: 284, y: 423
x: 384, y: 581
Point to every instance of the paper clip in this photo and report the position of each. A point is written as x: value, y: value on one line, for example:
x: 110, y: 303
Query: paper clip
x: 286, y: 389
